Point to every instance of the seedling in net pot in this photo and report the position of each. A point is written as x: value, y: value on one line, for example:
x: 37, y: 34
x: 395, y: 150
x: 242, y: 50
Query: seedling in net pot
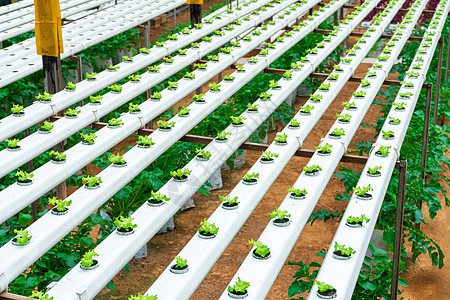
x: 237, y: 121
x: 374, y: 172
x: 343, y: 118
x: 268, y: 157
x: 252, y: 60
x: 46, y: 97
x: 388, y: 135
x: 180, y: 266
x: 349, y: 105
x: 184, y: 111
x: 134, y: 77
x: 23, y: 237
x: 399, y: 106
x: 342, y: 252
x: 171, y: 85
x: 124, y: 225
x: 333, y: 77
x: 252, y: 107
x: 338, y: 68
x: 95, y: 99
x: 312, y: 170
x: 280, y: 217
x: 296, y: 66
x: 12, y: 144
x: 88, y: 262
x: 324, y: 149
x: 324, y: 87
x: 250, y: 179
x: 156, y: 96
x: 222, y: 136
x: 115, y: 123
x: 383, y: 151
x: 165, y: 125
x: 182, y: 51
x: 46, y: 127
x: 325, y: 290
x: 294, y: 123
x: 69, y: 87
x: 297, y: 194
x: 88, y: 139
x: 115, y: 88
x: 180, y: 175
x: 264, y: 96
x: 236, y: 44
x: 288, y: 74
x: 117, y: 160
x: 363, y: 192
x: 91, y: 76
x: 228, y: 78
x: 207, y: 230
x: 133, y: 108
x: 281, y: 139
x: 264, y: 52
x: 57, y: 156
x: 144, y: 50
x: 157, y: 199
x: 357, y: 221
x: 337, y: 133
x: 144, y: 141
x: 113, y: 68
x: 306, y: 109
x: 406, y: 95
x: 214, y: 86
x: 17, y: 110
x: 213, y: 58
x: 261, y: 251
x: 91, y: 182
x: 394, y: 121
x: 154, y: 69
x: 202, y: 154
x: 228, y: 202
x: 72, y: 113
x: 127, y: 59
x: 359, y: 94
x: 365, y: 83
x: 199, y: 98
x: 239, y: 288
x: 23, y: 177
x: 61, y: 206
x: 315, y: 98
x: 40, y: 296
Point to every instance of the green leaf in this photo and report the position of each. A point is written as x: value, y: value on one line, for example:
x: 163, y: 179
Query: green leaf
x: 24, y: 219
x: 110, y: 285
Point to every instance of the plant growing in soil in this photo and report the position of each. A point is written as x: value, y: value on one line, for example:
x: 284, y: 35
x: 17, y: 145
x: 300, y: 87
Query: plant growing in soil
x: 134, y: 77
x: 115, y: 122
x: 357, y: 220
x: 359, y: 94
x: 172, y: 85
x: 265, y: 96
x: 116, y: 159
x: 57, y: 156
x: 324, y: 86
x: 12, y: 143
x: 338, y: 132
x: 24, y: 176
x: 294, y: 123
x: 312, y: 169
x: 165, y: 124
x: 91, y: 181
x: 363, y: 192
x: 239, y: 288
x: 115, y: 88
x: 252, y: 107
x: 399, y: 106
x: 124, y: 224
x: 297, y: 192
x: 201, y: 153
x: 341, y: 250
x: 70, y: 86
x: 60, y: 205
x: 324, y: 289
x: 324, y: 149
x: 237, y: 120
x: 228, y: 78
x: 70, y: 112
x: 91, y: 76
x: 222, y: 135
x: 88, y: 138
x: 333, y: 77
x: 394, y: 120
x: 154, y: 69
x: 281, y: 138
x: 88, y: 259
x: 279, y: 214
x: 17, y: 109
x: 40, y: 296
x: 268, y: 156
x: 127, y: 58
x: 46, y: 126
x: 261, y: 251
x: 229, y: 202
x: 306, y: 109
x: 388, y: 134
x: 251, y: 178
x: 180, y: 174
x: 315, y: 98
x: 344, y: 118
x: 214, y: 86
x: 23, y: 237
x: 208, y: 229
x: 374, y: 170
x: 365, y: 82
x: 184, y: 111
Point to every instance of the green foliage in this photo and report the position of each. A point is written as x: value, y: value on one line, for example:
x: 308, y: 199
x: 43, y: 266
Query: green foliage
x: 297, y: 192
x: 23, y: 236
x: 92, y: 181
x: 239, y: 286
x: 208, y: 228
x: 261, y: 249
x: 180, y: 262
x: 279, y: 214
x: 228, y: 199
x: 249, y: 177
x: 88, y: 258
x: 23, y: 175
x: 344, y: 250
x: 61, y: 205
x: 325, y: 148
x: 125, y: 223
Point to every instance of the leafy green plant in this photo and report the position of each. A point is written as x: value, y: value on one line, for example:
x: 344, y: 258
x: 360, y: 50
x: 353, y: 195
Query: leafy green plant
x: 267, y: 155
x: 333, y: 77
x: 394, y: 120
x: 377, y: 66
x: 144, y: 50
x: 297, y: 192
x: 384, y: 150
x: 306, y: 109
x: 213, y: 57
x: 127, y: 58
x: 239, y: 287
x: 46, y: 126
x: 362, y: 191
x: 315, y: 98
x: 116, y: 159
x: 265, y: 96
x: 180, y: 173
x: 288, y: 74
x: 158, y: 197
x: 205, y: 154
x: 115, y: 88
x: 228, y: 200
x: 406, y: 95
x: 145, y: 140
x: 95, y: 99
x: 40, y: 296
x: 344, y: 117
x: 57, y: 156
x: 279, y: 214
x: 324, y: 86
x: 88, y: 259
x: 154, y: 69
x: 70, y: 86
x: 359, y: 94
x: 251, y: 177
x: 338, y: 132
x: 294, y: 123
x: 23, y: 176
x: 252, y: 107
x: 88, y: 138
x: 222, y: 135
x: 261, y: 249
x: 280, y: 138
x: 115, y: 122
x: 399, y: 106
x: 323, y: 287
x: 228, y: 78
x: 60, y: 205
x: 125, y: 224
x: 172, y: 85
x: 156, y: 95
x: 374, y: 170
x: 91, y: 76
x: 357, y: 220
x: 165, y: 124
x: 23, y: 236
x: 342, y: 250
x: 324, y: 148
x: 113, y: 68
x: 17, y: 109
x: 91, y: 181
x: 207, y: 228
x: 312, y: 169
x: 180, y: 263
x: 134, y: 77
x: 72, y: 112
x: 387, y: 134
x: 237, y: 120
x: 214, y: 86
x: 133, y: 107
x: 365, y: 82
x: 198, y: 98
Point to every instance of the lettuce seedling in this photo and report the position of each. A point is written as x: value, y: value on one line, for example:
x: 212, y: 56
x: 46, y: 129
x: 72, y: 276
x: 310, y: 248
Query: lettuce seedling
x: 252, y: 107
x: 226, y: 50
x: 145, y: 141
x: 12, y: 143
x: 279, y: 214
x: 306, y: 109
x: 205, y: 154
x: 180, y: 173
x: 325, y: 148
x: 60, y: 205
x: 198, y: 98
x: 182, y: 51
x: 17, y: 109
x: 115, y: 88
x: 344, y: 118
x: 168, y: 60
x: 324, y: 86
x: 294, y: 123
x: 323, y: 288
x: 387, y: 134
x: 357, y: 220
x: 296, y: 65
x: 23, y: 237
x: 156, y: 96
x: 124, y: 224
x: 237, y: 120
x: 281, y: 138
x: 268, y: 156
x: 384, y: 150
x: 113, y: 68
x: 236, y: 44
x: 70, y: 112
x: 312, y: 169
x: 165, y: 124
x: 359, y: 94
x: 154, y: 69
x: 95, y: 99
x: 399, y: 106
x: 91, y: 181
x: 144, y: 50
x: 363, y: 191
x: 40, y: 296
x: 341, y: 250
x: 127, y: 58
x: 394, y: 120
x: 261, y: 249
x: 88, y: 258
x: 180, y: 263
x: 214, y: 86
x: 252, y: 60
x: 184, y: 111
x: 207, y: 228
x: 57, y: 155
x: 333, y: 77
x: 338, y: 132
x: 264, y: 96
x: 133, y: 107
x: 240, y: 287
x: 228, y: 78
x: 287, y: 74
x: 91, y: 76
x: 88, y: 138
x: 374, y: 170
x: 46, y: 97
x: 46, y: 126
x: 365, y: 82
x: 229, y: 201
x: 135, y: 77
x: 117, y: 159
x: 172, y: 85
x: 222, y: 135
x: 70, y: 86
x: 251, y: 177
x: 315, y: 98
x: 23, y: 176
x: 297, y: 192
x: 115, y: 122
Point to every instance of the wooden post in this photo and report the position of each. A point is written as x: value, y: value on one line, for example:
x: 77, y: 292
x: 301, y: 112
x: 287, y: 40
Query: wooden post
x: 196, y: 11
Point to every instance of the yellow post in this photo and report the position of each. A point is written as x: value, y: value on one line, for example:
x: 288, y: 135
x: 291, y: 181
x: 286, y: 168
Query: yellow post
x: 48, y: 28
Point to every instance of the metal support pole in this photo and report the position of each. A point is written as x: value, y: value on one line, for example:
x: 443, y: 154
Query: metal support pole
x: 51, y: 66
x: 398, y: 242
x: 30, y: 169
x: 147, y: 34
x: 426, y: 128
x: 447, y: 71
x: 438, y: 80
x: 175, y: 17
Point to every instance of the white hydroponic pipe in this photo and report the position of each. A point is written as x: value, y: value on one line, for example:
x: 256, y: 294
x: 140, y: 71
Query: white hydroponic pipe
x: 342, y: 275
x: 86, y: 201
x: 37, y: 143
x: 39, y: 111
x: 280, y: 240
x: 16, y: 197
